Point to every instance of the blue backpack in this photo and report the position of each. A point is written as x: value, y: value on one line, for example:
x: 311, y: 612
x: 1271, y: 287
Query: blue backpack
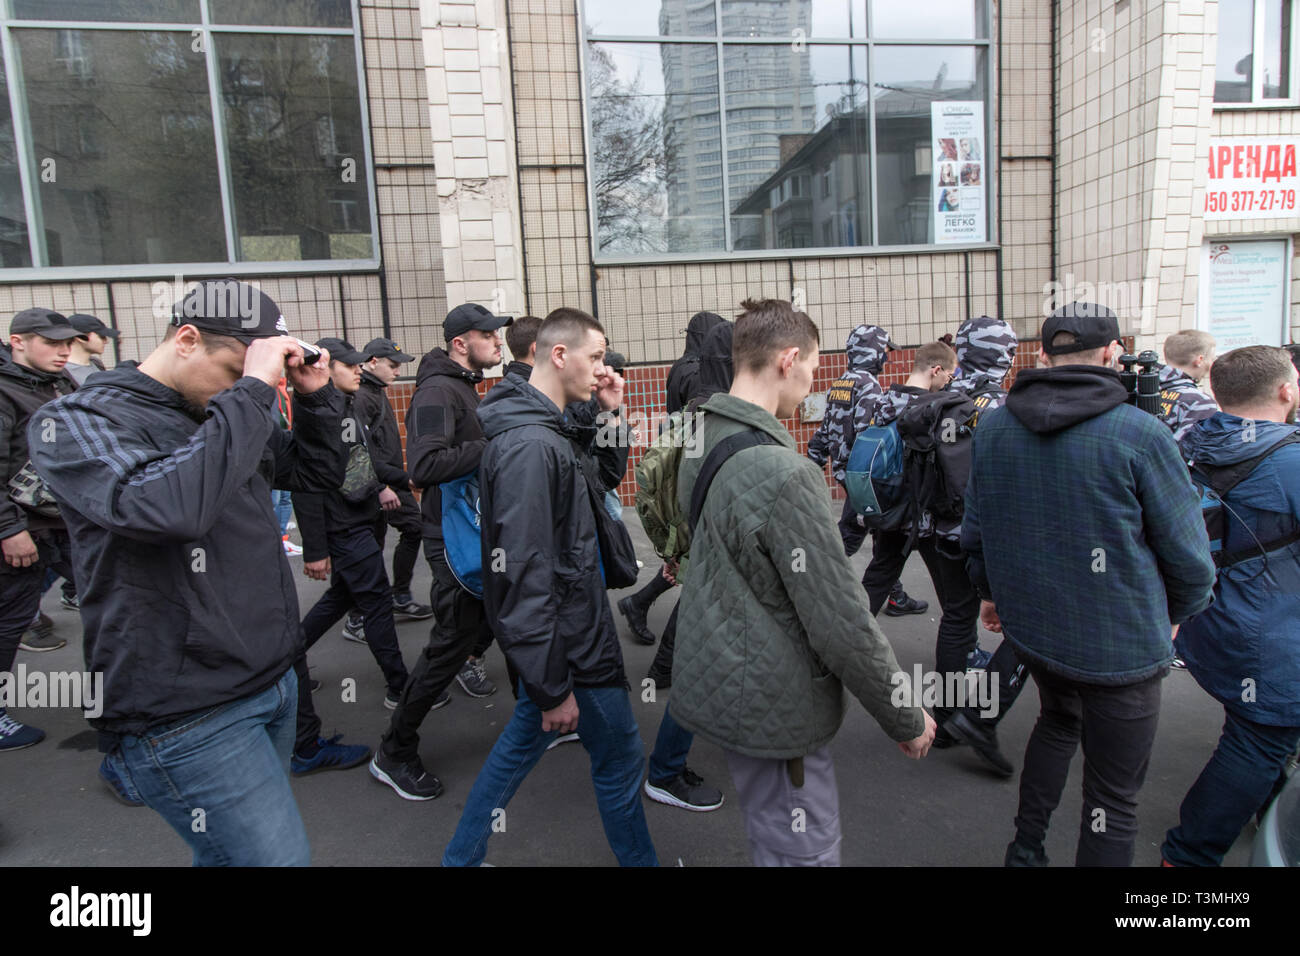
x: 1214, y: 483
x: 462, y: 531
x: 873, y: 476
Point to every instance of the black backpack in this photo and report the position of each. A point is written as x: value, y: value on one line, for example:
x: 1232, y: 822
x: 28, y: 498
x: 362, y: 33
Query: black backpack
x: 936, y: 430
x: 1214, y: 483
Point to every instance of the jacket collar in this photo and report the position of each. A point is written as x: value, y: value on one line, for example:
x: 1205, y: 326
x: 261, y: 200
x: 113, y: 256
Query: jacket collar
x: 747, y: 413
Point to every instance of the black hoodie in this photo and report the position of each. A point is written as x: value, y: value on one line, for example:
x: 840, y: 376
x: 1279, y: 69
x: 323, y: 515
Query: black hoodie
x: 1047, y: 400
x: 682, y: 376
x: 548, y: 607
x: 444, y: 439
x: 22, y: 391
x: 716, y: 372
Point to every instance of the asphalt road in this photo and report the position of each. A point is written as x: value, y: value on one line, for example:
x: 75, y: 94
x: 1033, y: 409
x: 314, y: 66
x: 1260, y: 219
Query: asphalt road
x: 941, y: 811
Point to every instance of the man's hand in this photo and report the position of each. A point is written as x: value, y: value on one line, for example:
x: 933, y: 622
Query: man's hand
x: 304, y: 378
x: 669, y: 571
x: 609, y: 389
x: 317, y: 570
x: 989, y: 617
x: 563, y: 718
x: 20, y: 550
x: 266, y: 358
x: 918, y: 747
x: 388, y: 500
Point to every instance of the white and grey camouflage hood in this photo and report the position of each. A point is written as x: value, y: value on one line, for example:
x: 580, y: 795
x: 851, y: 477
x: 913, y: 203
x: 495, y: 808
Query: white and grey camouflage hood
x: 866, y: 348
x: 986, y: 349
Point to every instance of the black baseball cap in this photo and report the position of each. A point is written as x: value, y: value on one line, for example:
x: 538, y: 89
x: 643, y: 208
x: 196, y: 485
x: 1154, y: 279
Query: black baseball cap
x: 85, y: 324
x: 1095, y: 327
x: 230, y: 307
x: 342, y: 351
x: 615, y: 360
x: 472, y: 316
x: 387, y: 348
x: 44, y: 322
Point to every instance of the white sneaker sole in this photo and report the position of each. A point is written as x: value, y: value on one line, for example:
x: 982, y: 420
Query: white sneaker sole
x: 385, y: 778
x: 663, y: 796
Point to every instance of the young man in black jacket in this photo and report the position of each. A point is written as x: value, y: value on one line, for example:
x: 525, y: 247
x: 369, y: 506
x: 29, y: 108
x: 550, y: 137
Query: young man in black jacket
x: 338, y: 545
x: 163, y: 473
x: 444, y: 440
x: 548, y: 604
x: 31, y: 375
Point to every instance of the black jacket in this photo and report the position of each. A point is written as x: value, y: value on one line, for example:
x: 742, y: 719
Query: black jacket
x: 324, y: 513
x: 370, y: 405
x: 444, y: 439
x: 716, y: 373
x: 681, y: 384
x: 548, y: 608
x: 22, y: 391
x: 187, y: 599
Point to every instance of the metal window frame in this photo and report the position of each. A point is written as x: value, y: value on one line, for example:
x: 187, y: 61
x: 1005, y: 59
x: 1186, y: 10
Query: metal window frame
x: 40, y: 270
x: 718, y: 41
x: 1257, y: 101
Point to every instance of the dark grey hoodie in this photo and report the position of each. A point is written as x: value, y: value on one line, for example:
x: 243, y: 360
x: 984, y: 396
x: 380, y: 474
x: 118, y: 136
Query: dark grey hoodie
x: 682, y: 376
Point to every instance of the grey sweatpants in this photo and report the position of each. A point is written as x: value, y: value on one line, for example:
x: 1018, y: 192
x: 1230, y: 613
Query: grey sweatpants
x: 785, y: 826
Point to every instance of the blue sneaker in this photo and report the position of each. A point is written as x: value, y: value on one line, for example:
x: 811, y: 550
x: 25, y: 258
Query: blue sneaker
x: 16, y: 736
x: 331, y: 756
x: 119, y: 786
x: 978, y: 659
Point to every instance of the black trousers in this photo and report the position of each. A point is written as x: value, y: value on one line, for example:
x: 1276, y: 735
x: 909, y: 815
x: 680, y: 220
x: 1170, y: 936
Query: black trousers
x: 357, y: 579
x: 59, y: 561
x: 21, y: 589
x: 460, y: 628
x: 406, y: 521
x: 1117, y: 726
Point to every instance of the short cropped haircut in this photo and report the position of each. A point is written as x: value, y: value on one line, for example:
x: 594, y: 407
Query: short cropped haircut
x: 1250, y: 375
x: 765, y: 327
x: 1181, y: 348
x: 936, y: 353
x: 565, y: 326
x: 1088, y: 357
x: 212, y: 342
x: 521, y: 334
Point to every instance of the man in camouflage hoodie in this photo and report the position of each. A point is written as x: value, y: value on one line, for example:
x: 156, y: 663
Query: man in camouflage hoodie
x: 849, y: 404
x: 1188, y: 357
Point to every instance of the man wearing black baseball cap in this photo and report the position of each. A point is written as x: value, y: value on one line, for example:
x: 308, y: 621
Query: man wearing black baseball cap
x: 1089, y: 609
x: 384, y: 360
x: 338, y: 544
x: 163, y: 472
x: 31, y: 375
x: 444, y: 440
x: 87, y: 349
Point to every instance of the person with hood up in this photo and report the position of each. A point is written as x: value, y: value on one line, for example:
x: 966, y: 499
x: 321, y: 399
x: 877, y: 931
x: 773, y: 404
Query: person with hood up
x: 1244, y: 649
x: 1090, y: 610
x: 849, y: 403
x: 682, y: 376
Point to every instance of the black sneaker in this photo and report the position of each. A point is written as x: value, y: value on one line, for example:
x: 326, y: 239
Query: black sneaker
x: 331, y: 755
x: 40, y: 639
x: 410, y: 780
x: 635, y: 615
x: 391, y: 700
x: 354, y: 629
x: 72, y: 603
x: 943, y: 740
x: 983, y: 740
x: 1178, y: 664
x: 443, y: 700
x: 1020, y: 855
x: 907, y: 605
x: 314, y: 684
x: 663, y: 679
x: 562, y: 739
x: 409, y: 610
x: 686, y: 790
x: 473, y: 679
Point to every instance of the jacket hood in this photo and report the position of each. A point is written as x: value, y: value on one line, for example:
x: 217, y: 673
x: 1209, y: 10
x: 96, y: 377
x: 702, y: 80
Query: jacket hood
x: 716, y: 372
x: 1047, y: 400
x: 986, y: 347
x: 438, y: 362
x: 513, y: 402
x: 867, y: 347
x: 1219, y: 439
x: 698, y: 329
x: 749, y: 414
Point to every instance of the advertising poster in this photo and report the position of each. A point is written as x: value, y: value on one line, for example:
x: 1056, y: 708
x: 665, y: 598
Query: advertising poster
x: 1243, y: 297
x: 1252, y: 177
x: 958, y: 181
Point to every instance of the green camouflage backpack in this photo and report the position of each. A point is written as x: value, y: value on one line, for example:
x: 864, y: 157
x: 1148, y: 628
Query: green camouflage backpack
x: 665, y: 523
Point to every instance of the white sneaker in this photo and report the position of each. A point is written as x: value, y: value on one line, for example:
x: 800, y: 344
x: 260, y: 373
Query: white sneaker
x: 291, y: 549
x: 562, y: 739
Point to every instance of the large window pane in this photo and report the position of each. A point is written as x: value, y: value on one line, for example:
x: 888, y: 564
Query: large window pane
x: 794, y: 18
x: 797, y: 153
x: 656, y: 153
x: 283, y: 13
x: 122, y: 131
x: 130, y: 11
x: 14, y: 248
x: 297, y: 156
x: 932, y: 19
x: 1276, y: 57
x: 1232, y: 72
x: 656, y: 18
x: 905, y: 81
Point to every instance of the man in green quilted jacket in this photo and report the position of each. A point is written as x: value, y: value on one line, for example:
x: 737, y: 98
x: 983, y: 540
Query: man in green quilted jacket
x: 778, y: 625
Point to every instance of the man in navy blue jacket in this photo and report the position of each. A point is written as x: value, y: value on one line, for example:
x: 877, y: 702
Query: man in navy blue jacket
x: 1244, y: 649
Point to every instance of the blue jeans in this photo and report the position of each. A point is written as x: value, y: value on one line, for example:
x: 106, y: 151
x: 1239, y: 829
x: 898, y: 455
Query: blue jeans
x: 671, y: 747
x: 1238, y: 781
x: 221, y: 779
x: 608, y: 731
x: 282, y: 502
x: 613, y: 505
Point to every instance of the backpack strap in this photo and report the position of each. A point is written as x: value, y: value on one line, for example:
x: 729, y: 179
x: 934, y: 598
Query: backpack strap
x: 714, y: 461
x: 1221, y: 480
